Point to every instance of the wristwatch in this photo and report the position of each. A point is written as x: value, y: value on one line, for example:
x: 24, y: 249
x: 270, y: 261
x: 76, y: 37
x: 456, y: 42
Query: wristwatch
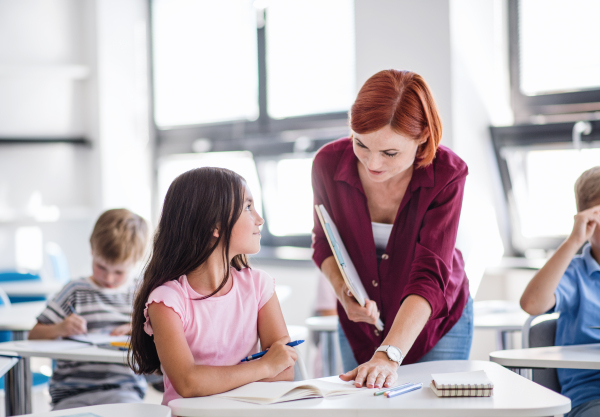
x: 392, y: 352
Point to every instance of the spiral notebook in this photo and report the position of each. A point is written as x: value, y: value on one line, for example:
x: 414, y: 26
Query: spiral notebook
x: 462, y: 384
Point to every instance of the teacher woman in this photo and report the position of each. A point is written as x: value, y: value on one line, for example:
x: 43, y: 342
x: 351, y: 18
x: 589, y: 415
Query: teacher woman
x: 395, y: 195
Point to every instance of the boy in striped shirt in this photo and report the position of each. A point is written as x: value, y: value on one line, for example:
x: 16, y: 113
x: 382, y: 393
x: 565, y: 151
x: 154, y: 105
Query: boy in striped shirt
x: 101, y: 303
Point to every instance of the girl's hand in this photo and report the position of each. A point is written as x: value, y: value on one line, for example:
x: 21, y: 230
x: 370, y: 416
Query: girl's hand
x: 121, y: 330
x: 368, y: 313
x: 72, y: 325
x: 377, y: 373
x: 280, y: 356
x: 585, y: 223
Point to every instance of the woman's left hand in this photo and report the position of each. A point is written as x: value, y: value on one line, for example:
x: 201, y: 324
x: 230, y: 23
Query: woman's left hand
x: 378, y: 372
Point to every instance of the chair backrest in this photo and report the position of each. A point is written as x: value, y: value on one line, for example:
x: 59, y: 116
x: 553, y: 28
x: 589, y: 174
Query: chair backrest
x: 540, y: 331
x: 4, y: 300
x: 7, y: 276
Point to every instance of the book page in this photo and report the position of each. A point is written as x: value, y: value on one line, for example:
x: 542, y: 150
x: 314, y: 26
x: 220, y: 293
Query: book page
x: 274, y: 392
x: 49, y: 345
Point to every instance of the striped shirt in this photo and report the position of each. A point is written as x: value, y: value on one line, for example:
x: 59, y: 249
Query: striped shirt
x: 103, y: 309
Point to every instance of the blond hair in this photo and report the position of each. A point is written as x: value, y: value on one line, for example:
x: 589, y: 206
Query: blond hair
x: 119, y: 236
x: 587, y: 188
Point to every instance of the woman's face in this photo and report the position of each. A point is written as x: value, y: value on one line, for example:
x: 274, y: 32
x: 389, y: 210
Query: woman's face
x: 245, y: 235
x: 384, y: 153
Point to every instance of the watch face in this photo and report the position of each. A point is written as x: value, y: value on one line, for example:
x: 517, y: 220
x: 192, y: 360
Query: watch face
x: 394, y: 353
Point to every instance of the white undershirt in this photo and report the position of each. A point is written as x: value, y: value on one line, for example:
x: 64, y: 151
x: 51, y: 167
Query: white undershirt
x: 381, y: 234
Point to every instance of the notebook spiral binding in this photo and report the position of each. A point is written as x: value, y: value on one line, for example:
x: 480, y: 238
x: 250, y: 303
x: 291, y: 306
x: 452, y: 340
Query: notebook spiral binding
x: 466, y: 390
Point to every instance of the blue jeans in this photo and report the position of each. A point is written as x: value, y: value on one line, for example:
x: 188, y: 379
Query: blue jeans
x: 589, y: 409
x: 454, y: 345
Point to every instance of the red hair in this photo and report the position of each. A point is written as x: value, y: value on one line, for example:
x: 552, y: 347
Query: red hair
x: 402, y: 100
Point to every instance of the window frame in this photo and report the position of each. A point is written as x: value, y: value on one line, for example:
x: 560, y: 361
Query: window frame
x: 265, y: 137
x: 551, y: 135
x: 525, y: 107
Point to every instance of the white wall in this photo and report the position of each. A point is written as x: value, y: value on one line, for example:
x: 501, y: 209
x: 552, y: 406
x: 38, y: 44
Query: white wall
x: 72, y: 68
x: 407, y: 35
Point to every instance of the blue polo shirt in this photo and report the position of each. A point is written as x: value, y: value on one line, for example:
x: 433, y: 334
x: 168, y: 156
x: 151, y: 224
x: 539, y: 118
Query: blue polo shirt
x: 578, y: 302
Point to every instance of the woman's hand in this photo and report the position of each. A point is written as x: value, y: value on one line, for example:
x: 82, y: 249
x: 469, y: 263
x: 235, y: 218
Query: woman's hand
x: 354, y: 311
x: 280, y: 356
x: 72, y: 325
x: 121, y: 330
x: 378, y: 372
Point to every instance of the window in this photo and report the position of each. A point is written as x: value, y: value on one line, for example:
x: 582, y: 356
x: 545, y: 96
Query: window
x: 310, y: 57
x: 538, y: 167
x: 288, y: 195
x: 245, y: 64
x: 554, y: 66
x: 204, y: 61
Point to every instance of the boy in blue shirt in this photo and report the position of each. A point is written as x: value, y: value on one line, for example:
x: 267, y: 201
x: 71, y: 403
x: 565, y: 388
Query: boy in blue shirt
x: 570, y: 284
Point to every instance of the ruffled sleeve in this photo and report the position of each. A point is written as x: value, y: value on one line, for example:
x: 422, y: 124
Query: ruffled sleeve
x: 265, y: 287
x: 170, y: 297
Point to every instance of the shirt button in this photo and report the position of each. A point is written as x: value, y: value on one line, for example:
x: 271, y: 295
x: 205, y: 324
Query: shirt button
x: 385, y: 256
x: 376, y: 332
x: 375, y: 283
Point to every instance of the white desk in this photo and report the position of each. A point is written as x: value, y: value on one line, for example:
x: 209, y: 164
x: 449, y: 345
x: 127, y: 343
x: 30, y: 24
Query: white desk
x: 31, y: 288
x: 513, y: 396
x: 6, y: 364
x: 20, y: 316
x: 18, y: 391
x: 572, y: 357
x: 502, y: 316
x: 114, y: 410
x: 327, y: 327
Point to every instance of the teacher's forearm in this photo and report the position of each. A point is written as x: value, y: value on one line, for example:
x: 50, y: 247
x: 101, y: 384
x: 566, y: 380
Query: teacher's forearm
x: 412, y: 316
x: 330, y: 269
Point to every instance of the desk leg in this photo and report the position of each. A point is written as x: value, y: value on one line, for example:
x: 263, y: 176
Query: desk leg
x: 17, y: 384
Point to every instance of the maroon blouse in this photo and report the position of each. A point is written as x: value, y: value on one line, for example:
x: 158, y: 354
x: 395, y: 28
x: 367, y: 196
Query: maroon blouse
x: 421, y: 257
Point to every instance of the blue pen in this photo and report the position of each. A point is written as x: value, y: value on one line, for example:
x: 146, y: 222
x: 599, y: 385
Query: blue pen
x: 72, y: 309
x: 261, y: 354
x: 413, y: 387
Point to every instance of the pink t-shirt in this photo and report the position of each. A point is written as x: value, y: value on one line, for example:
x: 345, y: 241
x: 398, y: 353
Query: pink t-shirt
x: 220, y: 331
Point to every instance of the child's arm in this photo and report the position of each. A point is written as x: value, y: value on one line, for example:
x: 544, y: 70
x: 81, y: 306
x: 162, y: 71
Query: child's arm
x: 539, y: 296
x: 72, y: 325
x: 271, y: 328
x: 191, y: 380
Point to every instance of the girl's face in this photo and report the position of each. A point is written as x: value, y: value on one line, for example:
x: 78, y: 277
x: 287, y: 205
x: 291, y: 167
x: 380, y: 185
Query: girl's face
x: 245, y: 235
x: 384, y: 153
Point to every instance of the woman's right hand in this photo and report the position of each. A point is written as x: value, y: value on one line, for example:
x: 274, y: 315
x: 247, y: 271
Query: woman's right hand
x: 354, y: 311
x: 72, y: 325
x: 280, y: 356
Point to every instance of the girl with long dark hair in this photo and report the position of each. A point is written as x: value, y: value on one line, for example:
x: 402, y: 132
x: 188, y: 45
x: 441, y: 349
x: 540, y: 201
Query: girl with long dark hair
x: 200, y: 308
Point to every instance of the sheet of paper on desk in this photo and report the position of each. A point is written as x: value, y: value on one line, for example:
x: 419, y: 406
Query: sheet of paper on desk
x: 278, y: 392
x: 98, y: 338
x: 53, y: 345
x: 80, y: 415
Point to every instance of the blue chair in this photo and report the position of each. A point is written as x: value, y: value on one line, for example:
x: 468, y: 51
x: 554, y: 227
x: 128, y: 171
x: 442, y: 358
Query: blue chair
x: 14, y: 276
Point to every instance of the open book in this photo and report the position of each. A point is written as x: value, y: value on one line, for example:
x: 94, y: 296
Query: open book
x: 278, y: 392
x: 462, y: 384
x: 349, y: 273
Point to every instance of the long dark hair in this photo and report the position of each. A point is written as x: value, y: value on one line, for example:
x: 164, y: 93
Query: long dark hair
x: 197, y: 202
